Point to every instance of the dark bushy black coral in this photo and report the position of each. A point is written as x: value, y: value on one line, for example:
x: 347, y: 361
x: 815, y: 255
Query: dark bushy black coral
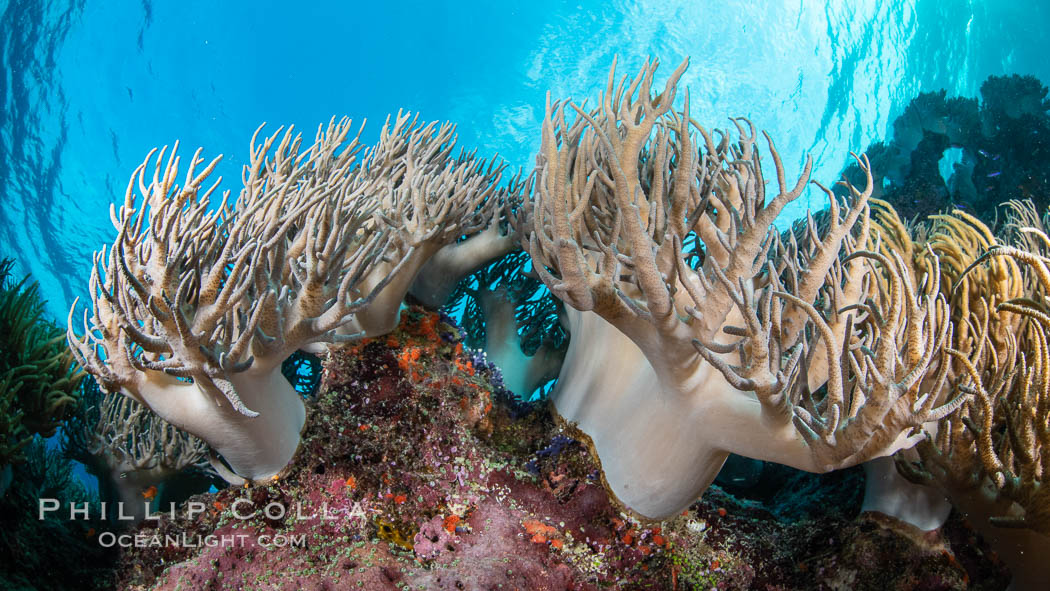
x: 38, y: 378
x: 55, y: 552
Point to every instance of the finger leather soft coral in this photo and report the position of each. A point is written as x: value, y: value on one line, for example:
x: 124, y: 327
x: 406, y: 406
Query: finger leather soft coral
x: 696, y: 330
x: 131, y: 452
x: 992, y: 457
x: 196, y: 309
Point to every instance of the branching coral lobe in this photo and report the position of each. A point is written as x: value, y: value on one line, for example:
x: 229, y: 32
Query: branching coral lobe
x: 674, y: 355
x: 195, y: 309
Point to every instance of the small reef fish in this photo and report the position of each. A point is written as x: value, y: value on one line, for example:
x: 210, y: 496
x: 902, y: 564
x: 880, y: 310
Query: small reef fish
x: 149, y: 493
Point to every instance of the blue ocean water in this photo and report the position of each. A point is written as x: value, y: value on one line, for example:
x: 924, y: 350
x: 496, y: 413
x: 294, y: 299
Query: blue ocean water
x: 88, y: 88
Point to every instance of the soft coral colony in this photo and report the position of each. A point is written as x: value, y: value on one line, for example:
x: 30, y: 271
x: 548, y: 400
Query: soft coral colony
x: 696, y: 329
x: 195, y: 310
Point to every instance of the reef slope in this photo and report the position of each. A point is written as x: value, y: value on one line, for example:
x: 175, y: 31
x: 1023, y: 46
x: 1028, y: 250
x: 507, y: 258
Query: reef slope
x: 433, y: 477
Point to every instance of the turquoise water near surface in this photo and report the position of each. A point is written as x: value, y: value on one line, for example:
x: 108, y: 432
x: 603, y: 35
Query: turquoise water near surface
x: 88, y: 88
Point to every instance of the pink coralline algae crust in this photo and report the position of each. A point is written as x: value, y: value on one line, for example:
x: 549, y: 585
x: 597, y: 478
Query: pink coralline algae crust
x: 434, y: 539
x: 434, y: 479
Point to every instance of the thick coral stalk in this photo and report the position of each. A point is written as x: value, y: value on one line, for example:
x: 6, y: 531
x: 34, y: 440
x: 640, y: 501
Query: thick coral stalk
x: 721, y: 330
x: 522, y: 374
